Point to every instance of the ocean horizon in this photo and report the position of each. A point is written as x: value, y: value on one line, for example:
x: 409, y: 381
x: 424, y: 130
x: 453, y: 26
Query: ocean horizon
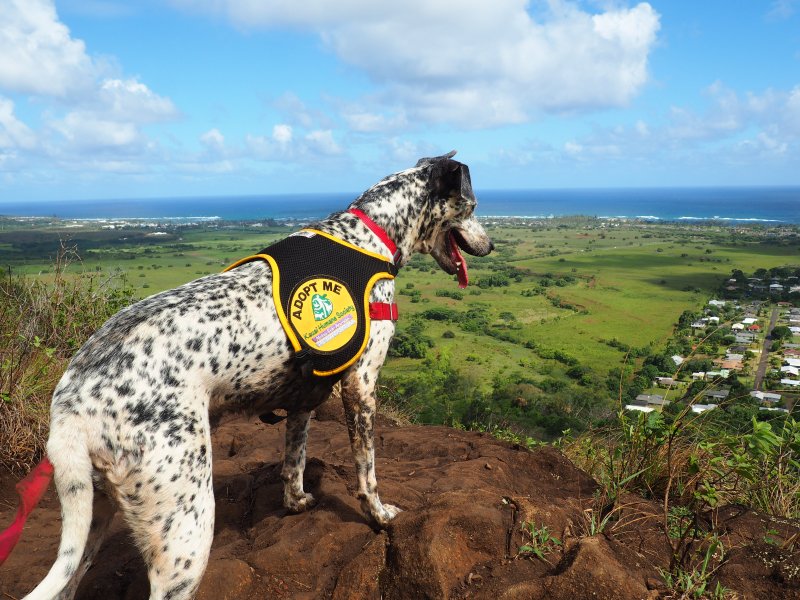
x: 773, y: 205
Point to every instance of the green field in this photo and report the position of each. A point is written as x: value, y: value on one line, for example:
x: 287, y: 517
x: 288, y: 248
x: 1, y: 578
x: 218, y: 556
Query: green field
x: 532, y: 329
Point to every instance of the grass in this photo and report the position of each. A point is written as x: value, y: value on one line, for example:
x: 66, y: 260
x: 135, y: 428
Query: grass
x: 41, y: 326
x: 539, y: 541
x: 624, y: 282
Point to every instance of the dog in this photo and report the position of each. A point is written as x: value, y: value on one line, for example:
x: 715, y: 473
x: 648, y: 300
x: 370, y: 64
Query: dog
x: 131, y: 417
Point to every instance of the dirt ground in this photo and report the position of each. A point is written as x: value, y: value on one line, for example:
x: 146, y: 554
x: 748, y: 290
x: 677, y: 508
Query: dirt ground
x: 465, y: 497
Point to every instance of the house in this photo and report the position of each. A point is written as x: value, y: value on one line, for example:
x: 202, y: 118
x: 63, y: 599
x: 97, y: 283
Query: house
x: 745, y: 337
x: 722, y: 373
x: 791, y: 382
x: 749, y: 320
x: 665, y: 381
x: 732, y: 356
x: 738, y: 350
x: 773, y: 409
x: 699, y: 408
x: 644, y: 409
x: 717, y: 302
x: 729, y: 365
x: 737, y: 327
x: 699, y: 376
x: 716, y: 395
x: 792, y: 362
x: 795, y: 330
x: 791, y: 371
x: 754, y: 328
x: 678, y: 360
x: 766, y: 396
x: 651, y: 400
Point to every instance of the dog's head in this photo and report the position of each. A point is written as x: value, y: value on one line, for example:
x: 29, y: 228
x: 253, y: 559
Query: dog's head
x: 452, y: 226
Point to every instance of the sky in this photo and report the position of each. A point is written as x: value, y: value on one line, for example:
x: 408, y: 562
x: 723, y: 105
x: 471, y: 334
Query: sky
x: 172, y: 98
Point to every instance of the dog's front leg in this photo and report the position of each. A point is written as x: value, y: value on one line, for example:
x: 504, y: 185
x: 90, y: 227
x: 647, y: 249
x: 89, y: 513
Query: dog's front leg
x: 359, y: 406
x: 294, y: 463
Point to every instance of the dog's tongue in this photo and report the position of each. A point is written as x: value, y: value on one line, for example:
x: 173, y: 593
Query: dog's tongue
x: 458, y: 259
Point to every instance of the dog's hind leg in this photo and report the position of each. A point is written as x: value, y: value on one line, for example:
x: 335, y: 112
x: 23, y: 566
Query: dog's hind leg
x: 359, y: 406
x: 168, y: 501
x: 295, y: 499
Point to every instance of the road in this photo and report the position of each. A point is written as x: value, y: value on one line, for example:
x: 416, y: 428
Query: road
x: 764, y: 362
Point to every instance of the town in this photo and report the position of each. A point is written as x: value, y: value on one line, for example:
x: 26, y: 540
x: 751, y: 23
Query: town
x: 747, y: 340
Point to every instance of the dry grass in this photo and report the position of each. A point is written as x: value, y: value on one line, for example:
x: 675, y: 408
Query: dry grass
x: 41, y: 326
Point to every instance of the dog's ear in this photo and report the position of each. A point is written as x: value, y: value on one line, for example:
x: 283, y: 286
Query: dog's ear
x: 424, y: 162
x: 450, y: 179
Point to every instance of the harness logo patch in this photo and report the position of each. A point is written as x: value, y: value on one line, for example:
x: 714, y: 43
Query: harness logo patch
x: 323, y: 313
x: 321, y: 306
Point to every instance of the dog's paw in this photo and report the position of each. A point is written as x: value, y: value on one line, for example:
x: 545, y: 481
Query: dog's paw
x: 386, y: 514
x: 300, y: 504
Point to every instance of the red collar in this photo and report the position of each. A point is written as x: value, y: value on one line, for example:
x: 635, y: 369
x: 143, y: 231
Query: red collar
x: 377, y: 230
x: 380, y: 311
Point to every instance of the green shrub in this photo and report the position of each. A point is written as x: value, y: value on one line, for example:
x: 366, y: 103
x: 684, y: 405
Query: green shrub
x: 41, y: 326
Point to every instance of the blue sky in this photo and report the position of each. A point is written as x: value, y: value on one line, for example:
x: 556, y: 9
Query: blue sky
x: 121, y: 99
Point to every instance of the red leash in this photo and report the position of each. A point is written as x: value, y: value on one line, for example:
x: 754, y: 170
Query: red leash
x: 30, y: 490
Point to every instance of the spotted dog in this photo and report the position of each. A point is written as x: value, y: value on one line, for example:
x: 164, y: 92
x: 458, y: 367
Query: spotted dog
x: 131, y: 417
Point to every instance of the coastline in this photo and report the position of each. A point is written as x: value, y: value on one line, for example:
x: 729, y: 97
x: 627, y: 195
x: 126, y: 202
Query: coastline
x: 735, y: 206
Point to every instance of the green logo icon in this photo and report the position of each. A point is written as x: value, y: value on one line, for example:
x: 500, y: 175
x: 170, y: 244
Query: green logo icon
x: 321, y: 306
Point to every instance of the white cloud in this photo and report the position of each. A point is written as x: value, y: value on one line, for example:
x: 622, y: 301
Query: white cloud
x: 735, y: 129
x: 84, y: 131
x: 282, y: 133
x: 86, y: 111
x: 13, y: 132
x: 322, y: 142
x: 780, y: 10
x: 297, y: 113
x: 213, y: 140
x: 405, y: 152
x: 37, y: 54
x: 112, y: 117
x: 283, y: 145
x: 131, y: 100
x: 474, y: 62
x: 364, y: 121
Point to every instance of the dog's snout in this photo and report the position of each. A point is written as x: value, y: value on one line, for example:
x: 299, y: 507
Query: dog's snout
x: 491, y: 246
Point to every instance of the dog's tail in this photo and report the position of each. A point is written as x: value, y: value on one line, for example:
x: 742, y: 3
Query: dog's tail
x: 68, y: 451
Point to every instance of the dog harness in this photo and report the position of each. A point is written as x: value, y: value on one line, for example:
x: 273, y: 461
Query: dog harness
x: 321, y: 286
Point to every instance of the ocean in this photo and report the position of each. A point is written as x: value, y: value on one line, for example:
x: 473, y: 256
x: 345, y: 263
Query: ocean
x: 773, y: 205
